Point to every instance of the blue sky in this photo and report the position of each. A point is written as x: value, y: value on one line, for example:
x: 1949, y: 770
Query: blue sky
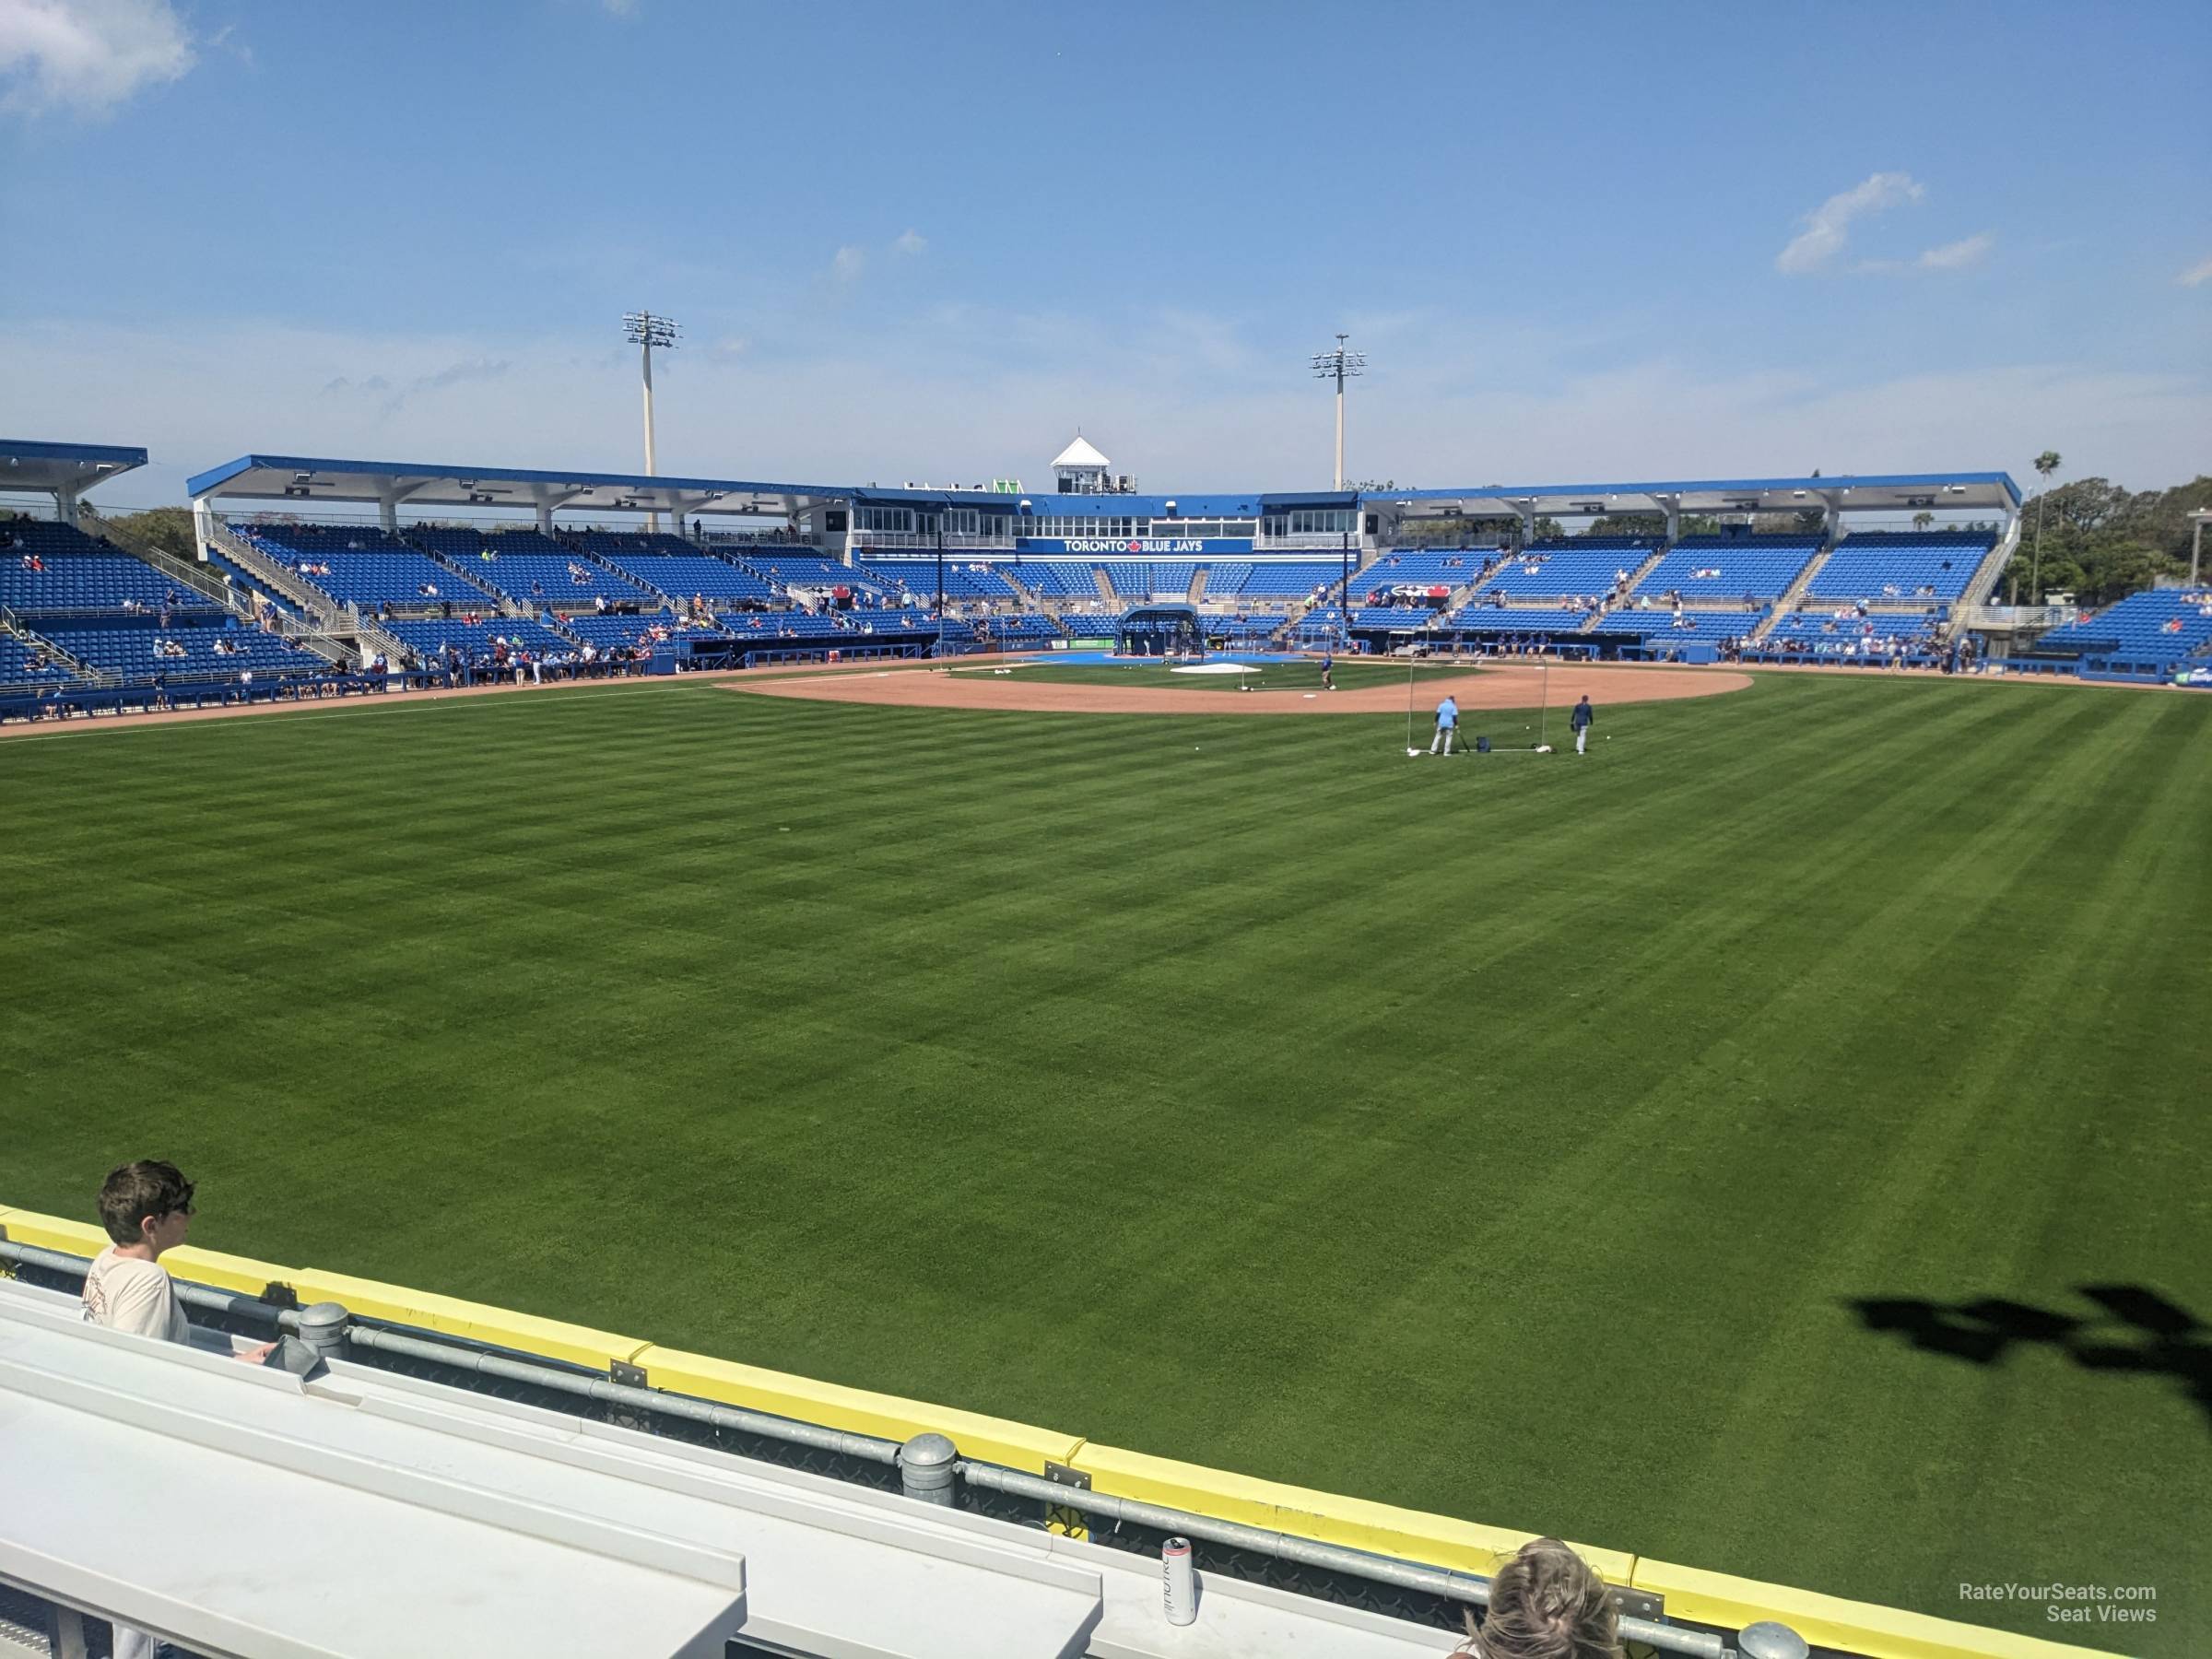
x: 1577, y: 241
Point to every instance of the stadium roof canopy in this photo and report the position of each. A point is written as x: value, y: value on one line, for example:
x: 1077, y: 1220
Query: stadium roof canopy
x: 63, y: 469
x: 303, y: 479
x: 1885, y: 492
x: 1046, y: 503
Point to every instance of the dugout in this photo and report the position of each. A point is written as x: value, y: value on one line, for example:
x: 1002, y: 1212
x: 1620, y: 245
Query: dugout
x: 1161, y: 630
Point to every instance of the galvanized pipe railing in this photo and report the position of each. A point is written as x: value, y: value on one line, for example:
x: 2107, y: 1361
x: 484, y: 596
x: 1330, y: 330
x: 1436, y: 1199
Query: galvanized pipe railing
x: 929, y: 1465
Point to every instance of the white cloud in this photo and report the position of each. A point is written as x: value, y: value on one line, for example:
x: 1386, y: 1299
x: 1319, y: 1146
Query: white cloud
x: 912, y: 242
x: 846, y: 263
x: 2199, y: 273
x: 86, y: 54
x: 1828, y: 226
x: 1956, y: 256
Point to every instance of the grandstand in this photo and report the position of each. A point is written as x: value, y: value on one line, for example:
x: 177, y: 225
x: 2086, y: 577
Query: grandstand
x: 1887, y: 567
x: 2152, y: 633
x: 1745, y: 568
x: 1563, y: 569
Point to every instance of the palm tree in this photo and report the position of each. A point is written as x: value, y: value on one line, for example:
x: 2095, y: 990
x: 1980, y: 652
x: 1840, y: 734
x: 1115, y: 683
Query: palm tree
x: 2045, y: 464
x: 1922, y: 519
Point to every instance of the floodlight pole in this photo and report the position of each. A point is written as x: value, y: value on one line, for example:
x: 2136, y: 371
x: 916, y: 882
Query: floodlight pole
x: 2197, y: 520
x: 646, y: 331
x: 940, y: 586
x: 1339, y: 365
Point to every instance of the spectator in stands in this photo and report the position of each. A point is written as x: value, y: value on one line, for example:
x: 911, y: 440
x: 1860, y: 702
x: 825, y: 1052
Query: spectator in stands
x: 1547, y: 1602
x: 146, y: 1209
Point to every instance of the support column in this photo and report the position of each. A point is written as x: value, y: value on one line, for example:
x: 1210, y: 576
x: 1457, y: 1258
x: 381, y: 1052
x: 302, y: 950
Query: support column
x: 1528, y: 523
x: 387, y: 513
x: 204, y: 521
x: 545, y: 518
x: 64, y: 504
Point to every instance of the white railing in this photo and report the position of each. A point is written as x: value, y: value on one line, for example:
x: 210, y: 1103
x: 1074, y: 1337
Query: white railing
x: 1304, y: 543
x: 914, y: 541
x: 2014, y: 618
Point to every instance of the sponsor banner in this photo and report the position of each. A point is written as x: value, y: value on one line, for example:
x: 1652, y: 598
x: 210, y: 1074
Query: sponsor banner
x: 1133, y: 546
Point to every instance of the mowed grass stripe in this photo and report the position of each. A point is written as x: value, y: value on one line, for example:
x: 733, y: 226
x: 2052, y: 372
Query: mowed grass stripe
x: 1507, y: 1137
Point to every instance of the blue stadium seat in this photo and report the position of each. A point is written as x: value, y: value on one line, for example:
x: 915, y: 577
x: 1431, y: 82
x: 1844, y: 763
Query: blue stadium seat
x: 1902, y: 565
x: 1708, y: 568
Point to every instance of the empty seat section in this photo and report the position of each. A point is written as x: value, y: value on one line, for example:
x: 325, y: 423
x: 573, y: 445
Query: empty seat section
x: 1489, y: 621
x: 1293, y: 578
x: 678, y: 576
x: 1143, y: 579
x: 1059, y: 578
x: 2164, y: 626
x: 1662, y: 628
x: 362, y: 567
x: 531, y: 569
x: 1424, y: 569
x: 1585, y: 566
x: 138, y: 652
x: 54, y: 568
x: 965, y: 581
x: 1878, y: 565
x: 1730, y: 567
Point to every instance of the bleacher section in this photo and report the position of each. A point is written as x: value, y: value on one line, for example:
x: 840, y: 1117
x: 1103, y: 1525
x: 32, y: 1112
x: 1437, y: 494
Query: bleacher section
x: 1426, y: 569
x: 1881, y: 566
x: 962, y: 582
x: 1139, y: 579
x: 1226, y: 581
x: 2159, y: 627
x: 902, y: 619
x: 1056, y: 578
x: 1495, y: 621
x: 22, y: 664
x: 1585, y: 566
x: 365, y: 567
x: 1827, y: 633
x: 531, y: 569
x: 1243, y: 630
x: 1659, y: 628
x: 139, y: 651
x: 80, y: 574
x: 1727, y: 568
x: 1292, y: 579
x: 426, y: 638
x: 801, y: 567
x: 677, y: 576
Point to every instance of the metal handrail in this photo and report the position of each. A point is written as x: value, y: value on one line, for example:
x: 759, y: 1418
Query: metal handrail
x: 326, y: 1325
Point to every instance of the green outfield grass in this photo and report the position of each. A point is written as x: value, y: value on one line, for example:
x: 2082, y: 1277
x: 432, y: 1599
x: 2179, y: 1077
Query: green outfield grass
x: 1515, y: 1137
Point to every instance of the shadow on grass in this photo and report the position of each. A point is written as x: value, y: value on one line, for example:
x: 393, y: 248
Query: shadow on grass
x: 2132, y: 1330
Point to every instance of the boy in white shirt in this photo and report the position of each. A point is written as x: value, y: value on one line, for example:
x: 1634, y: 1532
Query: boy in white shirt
x: 145, y: 1209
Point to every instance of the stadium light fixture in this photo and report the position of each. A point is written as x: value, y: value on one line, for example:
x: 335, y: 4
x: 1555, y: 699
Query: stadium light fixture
x: 1340, y: 366
x: 647, y: 332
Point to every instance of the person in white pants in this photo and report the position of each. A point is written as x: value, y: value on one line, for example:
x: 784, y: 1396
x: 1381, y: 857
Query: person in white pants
x: 1447, y: 725
x: 1580, y: 720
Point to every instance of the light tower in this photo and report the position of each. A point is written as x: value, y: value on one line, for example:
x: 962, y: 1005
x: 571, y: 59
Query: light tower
x: 1340, y: 366
x: 646, y: 331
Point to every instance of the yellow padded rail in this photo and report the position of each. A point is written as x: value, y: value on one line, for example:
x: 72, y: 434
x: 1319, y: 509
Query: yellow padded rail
x: 855, y: 1410
x: 1829, y: 1621
x: 187, y: 1261
x: 1438, y: 1540
x: 1355, y: 1523
x: 580, y: 1345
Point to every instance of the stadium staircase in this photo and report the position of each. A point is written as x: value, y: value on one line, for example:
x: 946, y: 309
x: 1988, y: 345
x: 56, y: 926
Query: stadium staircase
x: 1031, y: 599
x: 203, y: 582
x: 14, y: 627
x: 327, y: 624
x: 1635, y: 577
x: 1097, y: 574
x: 1983, y: 582
x: 492, y: 602
x: 1197, y: 593
x: 1787, y: 606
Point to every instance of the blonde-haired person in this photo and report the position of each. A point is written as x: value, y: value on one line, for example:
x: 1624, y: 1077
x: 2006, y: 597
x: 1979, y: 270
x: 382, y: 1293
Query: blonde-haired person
x: 1547, y: 1602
